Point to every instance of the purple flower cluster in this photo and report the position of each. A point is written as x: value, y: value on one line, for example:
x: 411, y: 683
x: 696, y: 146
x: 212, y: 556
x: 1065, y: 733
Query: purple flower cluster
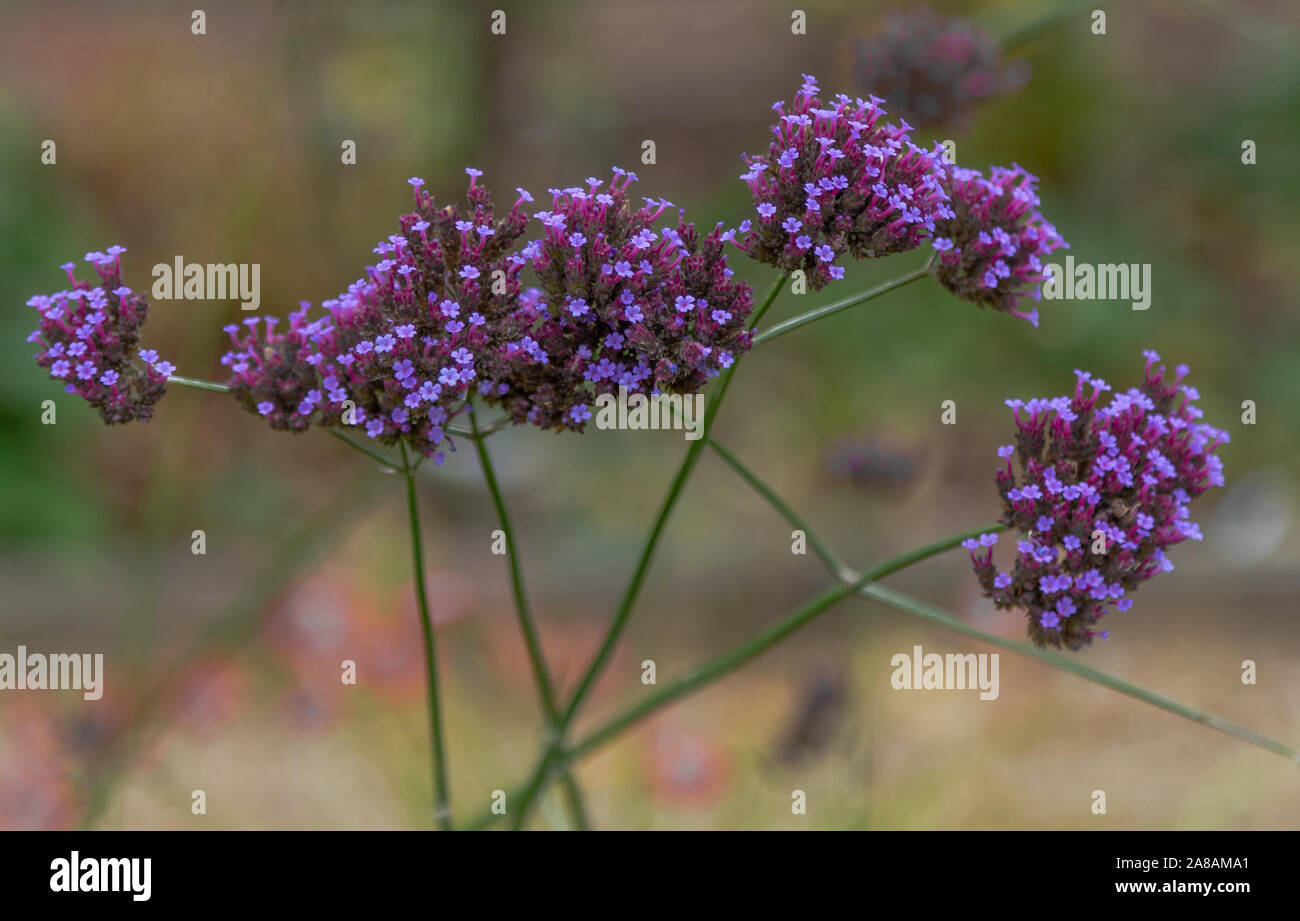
x: 397, y: 353
x: 89, y: 337
x: 621, y: 303
x: 837, y: 179
x: 934, y: 70
x: 1103, y: 492
x: 443, y: 315
x: 992, y: 239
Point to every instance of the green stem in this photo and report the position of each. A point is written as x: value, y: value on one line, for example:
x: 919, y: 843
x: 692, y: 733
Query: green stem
x: 633, y: 589
x: 198, y: 384
x: 222, y: 388
x: 495, y: 426
x: 536, y: 656
x: 374, y: 455
x: 442, y: 807
x: 818, y: 313
x: 939, y: 616
x: 491, y: 428
x: 1016, y: 37
x: 836, y: 566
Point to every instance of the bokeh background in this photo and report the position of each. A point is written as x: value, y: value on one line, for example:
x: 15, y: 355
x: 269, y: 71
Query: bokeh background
x: 223, y: 669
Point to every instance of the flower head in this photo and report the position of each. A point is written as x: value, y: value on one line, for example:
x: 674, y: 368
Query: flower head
x: 934, y: 70
x: 396, y: 354
x: 621, y: 303
x: 838, y: 179
x: 992, y: 240
x: 1102, y: 493
x: 89, y: 337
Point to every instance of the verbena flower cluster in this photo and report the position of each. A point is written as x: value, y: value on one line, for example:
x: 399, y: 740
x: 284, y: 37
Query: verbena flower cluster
x: 992, y: 239
x: 89, y: 337
x: 1102, y: 494
x: 620, y: 305
x: 443, y: 314
x: 934, y: 70
x: 396, y: 354
x: 838, y: 179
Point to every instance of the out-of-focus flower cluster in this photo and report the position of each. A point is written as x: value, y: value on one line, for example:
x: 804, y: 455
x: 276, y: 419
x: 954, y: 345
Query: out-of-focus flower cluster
x: 621, y: 305
x: 396, y: 354
x: 1102, y: 493
x: 89, y: 337
x: 838, y: 179
x: 992, y: 240
x: 875, y: 461
x: 934, y: 70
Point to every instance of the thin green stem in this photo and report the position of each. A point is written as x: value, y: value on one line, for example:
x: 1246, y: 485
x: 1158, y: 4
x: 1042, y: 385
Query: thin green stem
x: 527, y: 626
x: 198, y: 384
x: 1023, y: 33
x: 803, y: 319
x: 541, y: 673
x: 442, y: 806
x: 374, y: 455
x: 474, y: 431
x: 836, y: 566
x: 495, y: 426
x: 937, y: 615
x: 346, y: 439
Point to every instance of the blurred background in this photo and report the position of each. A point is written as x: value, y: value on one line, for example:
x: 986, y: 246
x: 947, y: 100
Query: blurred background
x: 222, y: 670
